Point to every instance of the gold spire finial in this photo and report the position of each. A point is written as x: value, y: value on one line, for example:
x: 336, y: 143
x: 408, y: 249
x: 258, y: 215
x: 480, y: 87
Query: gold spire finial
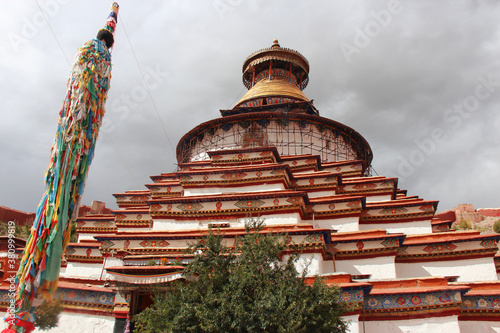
x: 275, y: 43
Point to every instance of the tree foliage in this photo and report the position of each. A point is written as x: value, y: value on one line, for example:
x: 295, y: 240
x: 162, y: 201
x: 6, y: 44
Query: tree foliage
x: 465, y: 225
x: 245, y: 288
x: 21, y: 231
x: 47, y: 314
x: 496, y: 226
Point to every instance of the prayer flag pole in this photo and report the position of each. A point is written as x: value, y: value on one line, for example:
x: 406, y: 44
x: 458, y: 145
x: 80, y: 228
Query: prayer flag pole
x: 72, y: 151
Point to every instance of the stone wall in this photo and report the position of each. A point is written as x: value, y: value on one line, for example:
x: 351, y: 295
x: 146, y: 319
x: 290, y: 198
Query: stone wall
x: 95, y: 208
x: 21, y: 218
x: 467, y: 212
x: 447, y: 215
x: 489, y: 212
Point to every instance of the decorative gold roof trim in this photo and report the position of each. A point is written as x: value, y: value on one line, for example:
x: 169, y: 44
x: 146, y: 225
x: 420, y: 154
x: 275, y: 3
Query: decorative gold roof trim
x: 251, y: 179
x: 207, y: 213
x: 404, y: 311
x: 88, y: 306
x: 339, y: 212
x: 133, y: 222
x: 276, y: 87
x: 445, y: 255
x: 70, y: 257
x: 363, y: 253
x: 395, y: 217
x: 165, y: 194
x: 94, y: 229
x: 369, y: 191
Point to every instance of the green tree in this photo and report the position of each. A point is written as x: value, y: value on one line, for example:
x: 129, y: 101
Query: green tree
x: 246, y: 288
x: 3, y: 228
x: 465, y: 224
x: 73, y: 238
x: 47, y: 314
x: 23, y: 231
x: 496, y: 227
x: 19, y: 231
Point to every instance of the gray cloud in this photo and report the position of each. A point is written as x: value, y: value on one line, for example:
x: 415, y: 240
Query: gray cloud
x: 396, y: 90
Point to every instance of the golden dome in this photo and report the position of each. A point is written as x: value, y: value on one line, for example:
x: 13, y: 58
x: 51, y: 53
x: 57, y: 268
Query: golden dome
x: 279, y: 87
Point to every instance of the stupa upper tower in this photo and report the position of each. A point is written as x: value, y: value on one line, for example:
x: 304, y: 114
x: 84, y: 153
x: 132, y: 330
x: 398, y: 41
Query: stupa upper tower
x: 274, y: 75
x: 275, y: 113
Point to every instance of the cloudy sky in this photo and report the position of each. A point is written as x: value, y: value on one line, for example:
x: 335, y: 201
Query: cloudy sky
x: 419, y: 80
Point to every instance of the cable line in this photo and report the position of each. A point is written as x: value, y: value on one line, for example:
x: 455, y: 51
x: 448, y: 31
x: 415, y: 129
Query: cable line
x: 146, y: 85
x: 69, y: 64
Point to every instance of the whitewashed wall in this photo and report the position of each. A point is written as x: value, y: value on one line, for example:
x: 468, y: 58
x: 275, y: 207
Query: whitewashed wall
x: 77, y: 323
x: 353, y: 325
x: 84, y: 237
x: 269, y: 220
x: 319, y: 194
x: 479, y: 326
x: 233, y: 189
x: 408, y: 228
x: 343, y: 224
x: 83, y: 270
x: 377, y: 198
x: 378, y: 267
x: 314, y: 264
x: 478, y: 269
x: 90, y: 270
x: 447, y: 324
x: 113, y: 261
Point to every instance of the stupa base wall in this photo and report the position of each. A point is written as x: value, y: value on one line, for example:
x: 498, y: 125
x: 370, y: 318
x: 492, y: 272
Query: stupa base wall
x: 408, y: 228
x: 77, y: 322
x: 270, y: 220
x: 353, y: 324
x: 378, y: 267
x: 234, y: 189
x: 313, y: 263
x: 343, y: 224
x: 83, y: 270
x: 446, y: 324
x: 479, y: 326
x: 478, y: 269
